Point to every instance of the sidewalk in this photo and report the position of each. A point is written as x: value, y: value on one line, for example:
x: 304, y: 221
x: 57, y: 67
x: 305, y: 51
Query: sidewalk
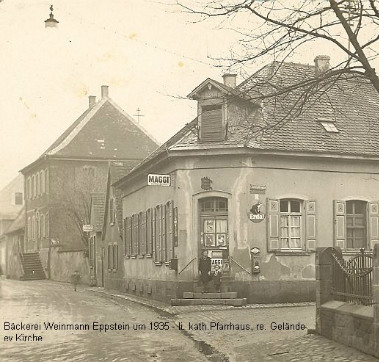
x: 256, y: 344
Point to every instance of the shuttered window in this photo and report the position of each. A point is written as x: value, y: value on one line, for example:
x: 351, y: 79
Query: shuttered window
x: 142, y: 234
x: 149, y: 232
x: 292, y: 225
x: 356, y: 224
x: 158, y: 234
x: 211, y: 128
x: 127, y: 235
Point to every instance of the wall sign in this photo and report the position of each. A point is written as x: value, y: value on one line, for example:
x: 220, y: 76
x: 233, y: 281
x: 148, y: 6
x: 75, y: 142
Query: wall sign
x: 258, y: 189
x: 158, y: 180
x: 256, y: 214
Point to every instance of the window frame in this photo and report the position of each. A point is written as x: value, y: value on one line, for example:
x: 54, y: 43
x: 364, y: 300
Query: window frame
x: 289, y: 214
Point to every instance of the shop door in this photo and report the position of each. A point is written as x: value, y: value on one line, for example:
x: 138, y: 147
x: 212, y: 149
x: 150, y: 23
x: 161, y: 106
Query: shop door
x: 214, y: 237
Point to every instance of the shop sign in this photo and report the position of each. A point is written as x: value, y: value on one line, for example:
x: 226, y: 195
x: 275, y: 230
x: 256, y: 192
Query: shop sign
x: 217, y: 262
x: 256, y: 214
x: 87, y: 228
x: 158, y: 180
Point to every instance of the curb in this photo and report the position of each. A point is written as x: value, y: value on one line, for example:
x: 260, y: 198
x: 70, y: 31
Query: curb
x: 175, y: 310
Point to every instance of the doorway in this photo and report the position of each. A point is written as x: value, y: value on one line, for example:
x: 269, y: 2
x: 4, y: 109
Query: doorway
x: 214, y: 231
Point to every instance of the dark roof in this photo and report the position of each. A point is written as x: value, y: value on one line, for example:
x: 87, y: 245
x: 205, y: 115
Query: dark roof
x: 104, y: 131
x: 350, y: 103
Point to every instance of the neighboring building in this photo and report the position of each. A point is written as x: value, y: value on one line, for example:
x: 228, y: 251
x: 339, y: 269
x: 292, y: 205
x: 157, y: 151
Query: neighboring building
x: 59, y: 184
x: 106, y: 255
x: 14, y: 240
x: 11, y: 202
x: 258, y: 205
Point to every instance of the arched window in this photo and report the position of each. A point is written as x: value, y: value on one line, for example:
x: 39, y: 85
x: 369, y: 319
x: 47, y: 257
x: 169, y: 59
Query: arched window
x: 42, y: 180
x: 38, y: 185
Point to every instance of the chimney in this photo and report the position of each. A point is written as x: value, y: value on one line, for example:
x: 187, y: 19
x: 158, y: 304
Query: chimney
x: 322, y: 64
x: 91, y: 101
x: 104, y: 91
x: 230, y: 79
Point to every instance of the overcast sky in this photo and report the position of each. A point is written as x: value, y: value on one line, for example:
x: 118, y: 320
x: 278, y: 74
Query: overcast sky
x: 150, y: 54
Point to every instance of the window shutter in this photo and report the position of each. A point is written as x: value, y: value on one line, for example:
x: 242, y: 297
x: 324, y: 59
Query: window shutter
x: 128, y: 230
x: 164, y: 233
x: 170, y: 229
x: 143, y: 233
x: 158, y: 236
x: 310, y: 225
x: 154, y: 232
x: 211, y: 123
x: 148, y: 232
x: 273, y: 224
x: 339, y: 224
x: 175, y: 226
x: 373, y: 223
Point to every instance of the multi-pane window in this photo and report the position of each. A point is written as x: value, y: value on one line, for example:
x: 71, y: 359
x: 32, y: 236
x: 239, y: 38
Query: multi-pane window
x: 214, y: 222
x: 290, y: 224
x: 356, y: 224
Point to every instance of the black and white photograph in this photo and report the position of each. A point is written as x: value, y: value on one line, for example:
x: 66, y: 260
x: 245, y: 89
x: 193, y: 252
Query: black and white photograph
x: 189, y: 180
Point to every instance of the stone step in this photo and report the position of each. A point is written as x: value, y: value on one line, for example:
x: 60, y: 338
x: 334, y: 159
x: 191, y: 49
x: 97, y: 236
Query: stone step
x: 225, y: 295
x: 237, y: 302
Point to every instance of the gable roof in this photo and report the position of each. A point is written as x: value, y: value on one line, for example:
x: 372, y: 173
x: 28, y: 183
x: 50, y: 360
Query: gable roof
x: 104, y: 131
x: 356, y: 118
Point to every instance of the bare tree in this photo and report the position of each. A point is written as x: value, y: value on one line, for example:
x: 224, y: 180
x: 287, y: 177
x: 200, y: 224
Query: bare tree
x: 277, y: 29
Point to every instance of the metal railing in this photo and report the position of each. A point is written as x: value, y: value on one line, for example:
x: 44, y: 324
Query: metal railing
x: 352, y: 279
x: 238, y: 264
x: 187, y: 265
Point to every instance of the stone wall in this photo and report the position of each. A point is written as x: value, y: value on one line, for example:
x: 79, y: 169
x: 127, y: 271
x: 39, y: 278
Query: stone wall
x: 350, y: 324
x: 64, y: 263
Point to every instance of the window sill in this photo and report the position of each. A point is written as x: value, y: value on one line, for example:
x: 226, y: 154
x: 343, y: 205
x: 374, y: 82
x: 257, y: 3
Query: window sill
x: 133, y: 256
x: 292, y: 253
x: 158, y: 263
x: 148, y: 256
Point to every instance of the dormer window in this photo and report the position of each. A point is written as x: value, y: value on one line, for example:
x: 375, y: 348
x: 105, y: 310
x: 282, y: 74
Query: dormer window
x: 211, y: 123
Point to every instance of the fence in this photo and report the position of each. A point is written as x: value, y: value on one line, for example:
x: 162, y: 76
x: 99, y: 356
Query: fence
x: 352, y: 279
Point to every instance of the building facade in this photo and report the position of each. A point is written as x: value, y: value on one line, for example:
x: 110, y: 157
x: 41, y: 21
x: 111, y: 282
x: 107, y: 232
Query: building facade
x: 59, y: 184
x: 258, y: 203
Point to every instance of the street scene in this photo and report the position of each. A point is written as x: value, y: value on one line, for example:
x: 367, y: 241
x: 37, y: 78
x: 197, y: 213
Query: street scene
x: 50, y: 302
x: 189, y: 180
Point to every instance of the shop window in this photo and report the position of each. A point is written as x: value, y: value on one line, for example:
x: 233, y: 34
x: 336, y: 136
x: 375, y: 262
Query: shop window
x: 214, y: 222
x: 356, y: 224
x: 291, y: 225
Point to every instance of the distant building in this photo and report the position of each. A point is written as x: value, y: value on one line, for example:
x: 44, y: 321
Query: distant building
x: 258, y: 202
x: 11, y: 202
x: 59, y: 184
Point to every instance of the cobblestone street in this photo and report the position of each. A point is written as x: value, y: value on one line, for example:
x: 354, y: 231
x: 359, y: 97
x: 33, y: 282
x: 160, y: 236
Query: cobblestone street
x: 44, y: 301
x: 39, y: 301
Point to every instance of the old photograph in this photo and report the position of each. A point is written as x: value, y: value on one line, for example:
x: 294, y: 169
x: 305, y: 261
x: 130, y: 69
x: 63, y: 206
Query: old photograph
x: 189, y: 180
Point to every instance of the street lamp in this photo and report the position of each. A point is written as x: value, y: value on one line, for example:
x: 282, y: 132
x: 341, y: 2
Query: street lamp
x: 51, y: 22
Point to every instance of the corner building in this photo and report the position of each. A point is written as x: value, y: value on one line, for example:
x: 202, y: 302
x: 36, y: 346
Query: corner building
x: 258, y: 185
